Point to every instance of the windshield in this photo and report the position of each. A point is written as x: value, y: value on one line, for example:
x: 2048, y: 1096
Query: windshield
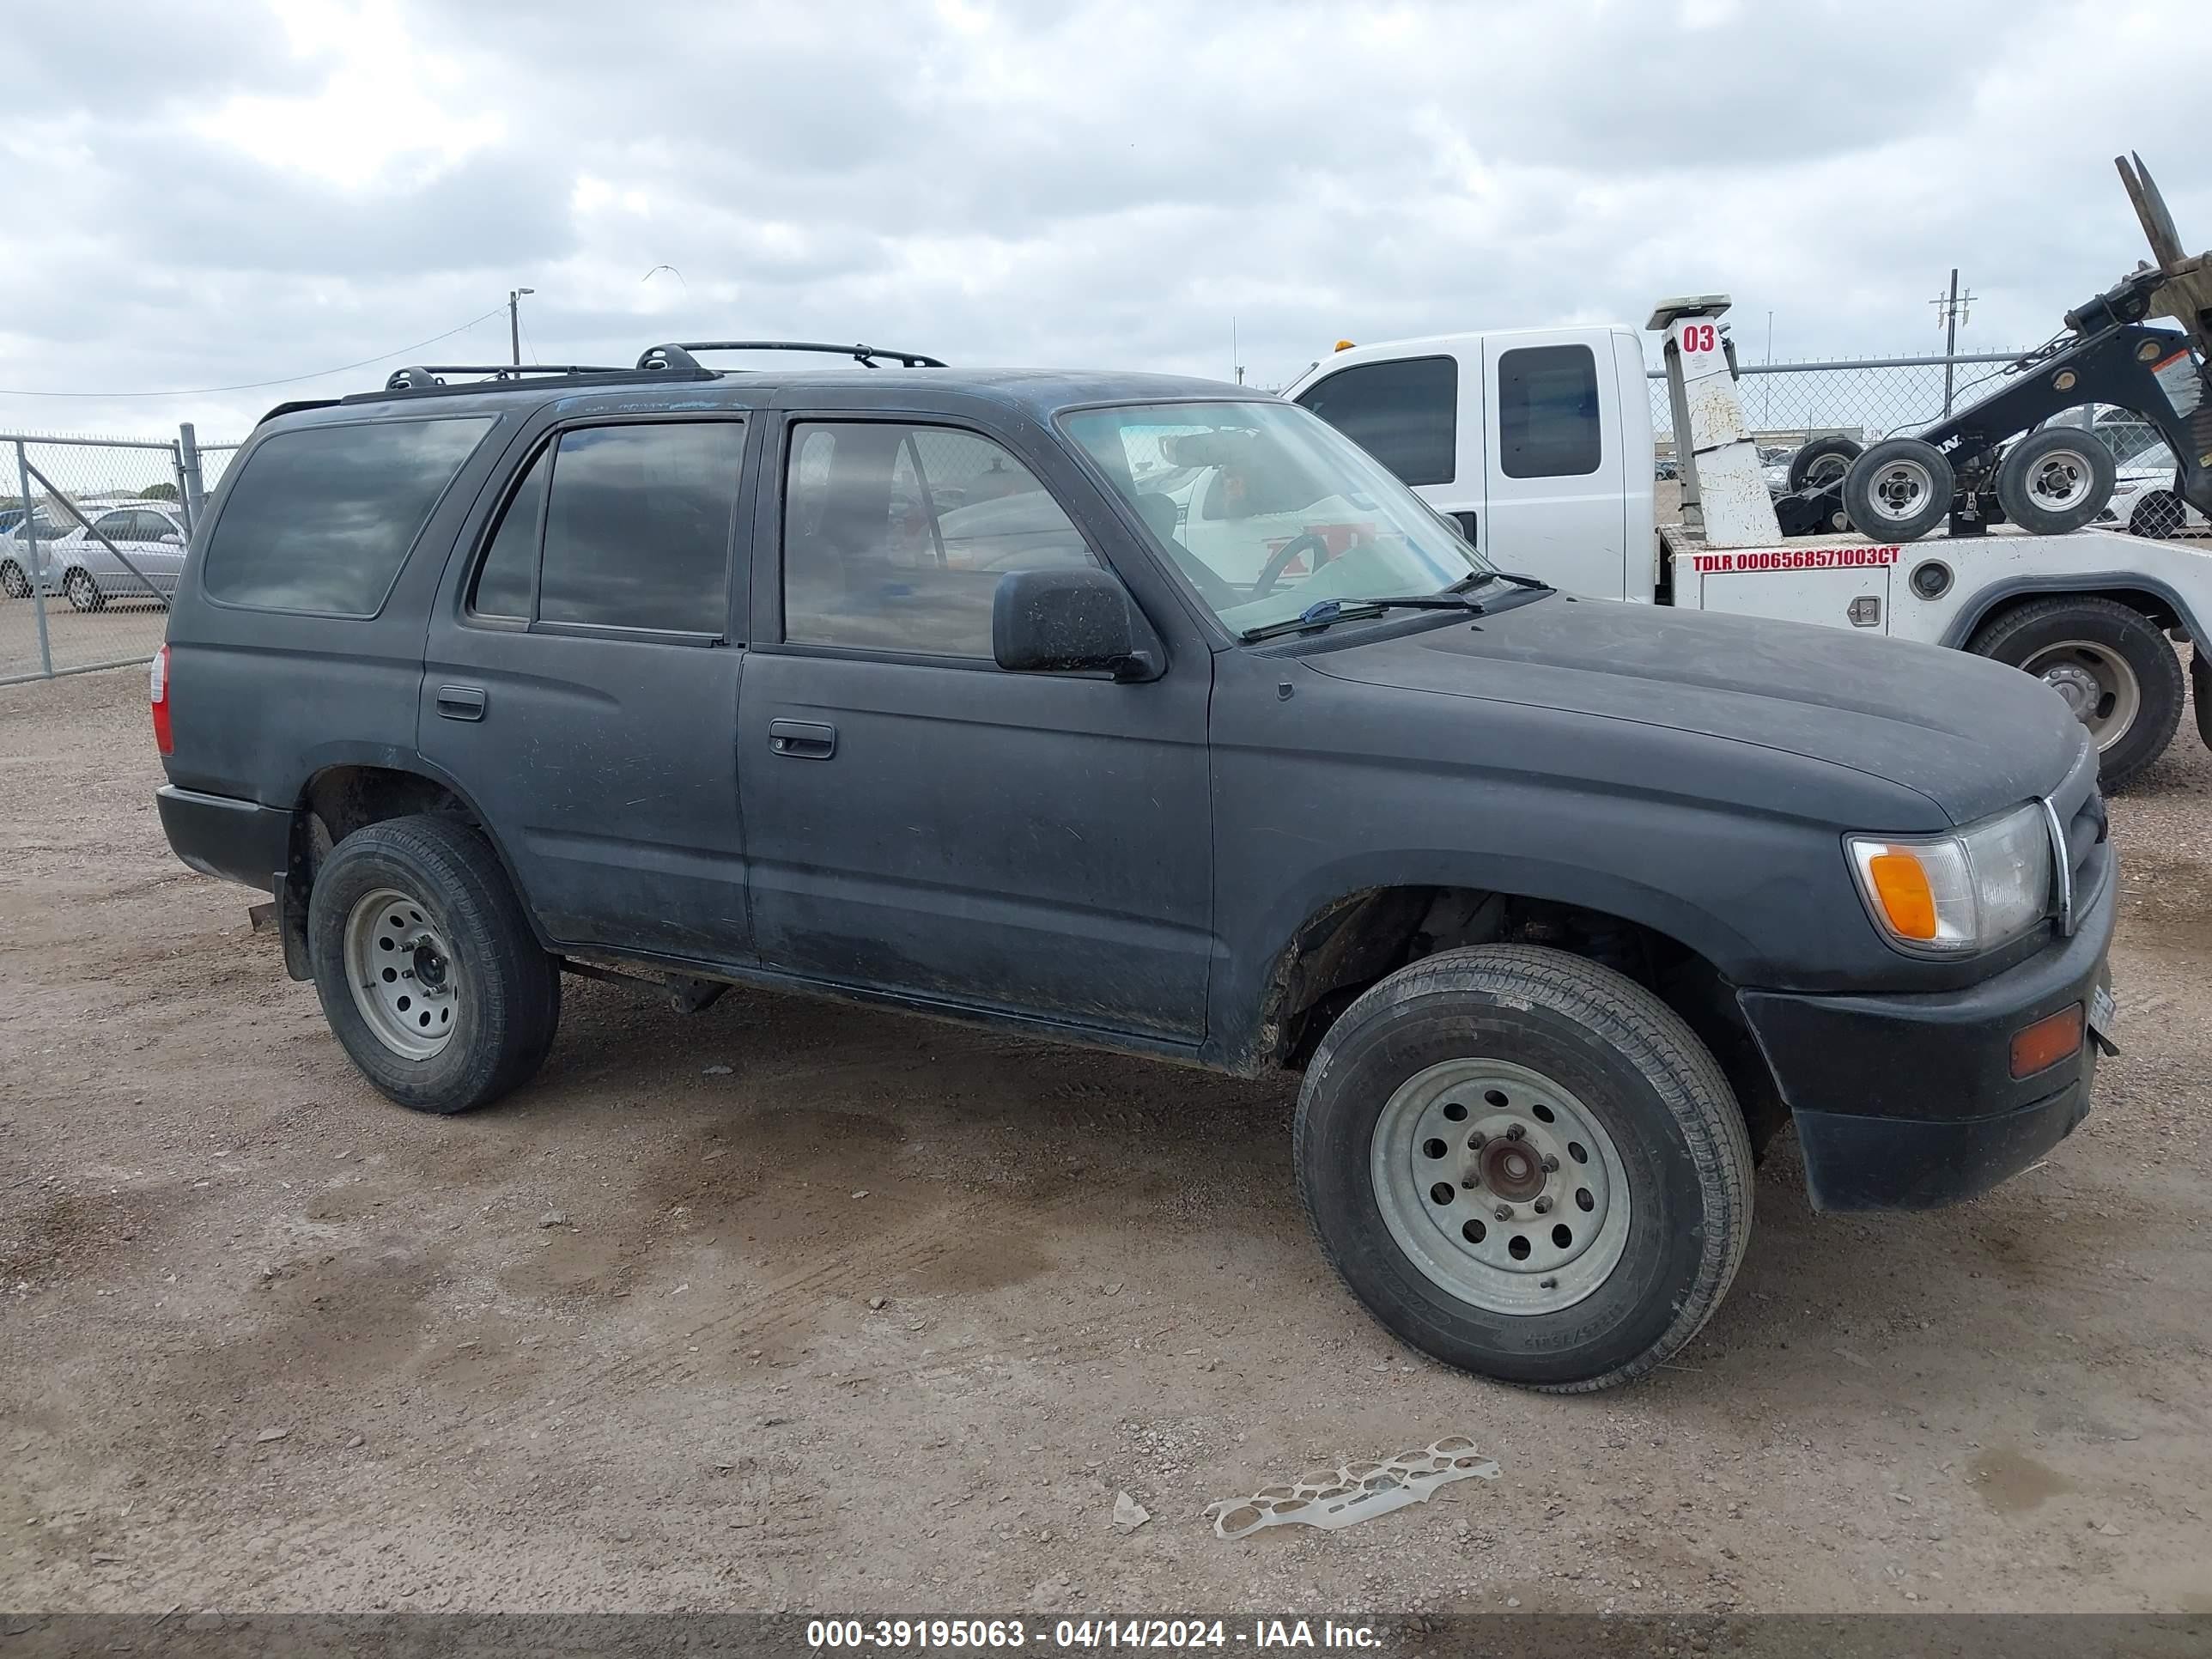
x: 1267, y: 509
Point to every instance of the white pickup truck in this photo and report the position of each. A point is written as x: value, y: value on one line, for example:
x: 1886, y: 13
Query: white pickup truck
x: 1539, y: 443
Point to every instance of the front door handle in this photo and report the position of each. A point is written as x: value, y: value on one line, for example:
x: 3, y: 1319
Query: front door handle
x: 802, y: 739
x: 460, y: 702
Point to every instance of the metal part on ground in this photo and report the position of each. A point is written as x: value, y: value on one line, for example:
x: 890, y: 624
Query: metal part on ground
x: 1350, y: 1493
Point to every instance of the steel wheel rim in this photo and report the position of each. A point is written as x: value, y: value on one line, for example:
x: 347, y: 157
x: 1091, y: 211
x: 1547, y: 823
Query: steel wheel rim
x: 1900, y: 488
x: 1454, y: 1124
x: 405, y: 984
x: 2060, y: 480
x: 1826, y: 471
x: 2097, y: 682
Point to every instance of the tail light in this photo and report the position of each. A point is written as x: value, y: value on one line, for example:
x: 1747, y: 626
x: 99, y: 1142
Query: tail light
x: 158, y: 688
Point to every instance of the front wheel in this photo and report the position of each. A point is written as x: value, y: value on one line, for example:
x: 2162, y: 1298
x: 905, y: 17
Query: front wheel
x: 425, y: 965
x: 1526, y: 1165
x: 13, y: 582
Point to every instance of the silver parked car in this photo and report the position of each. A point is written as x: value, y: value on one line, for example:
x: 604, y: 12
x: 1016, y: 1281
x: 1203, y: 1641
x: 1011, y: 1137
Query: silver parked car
x: 14, y: 549
x: 148, y: 535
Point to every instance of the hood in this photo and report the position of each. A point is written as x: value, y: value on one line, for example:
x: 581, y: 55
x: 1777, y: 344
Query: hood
x: 1971, y: 735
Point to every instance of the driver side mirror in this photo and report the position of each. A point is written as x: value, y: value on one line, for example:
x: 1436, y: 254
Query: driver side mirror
x: 1070, y: 621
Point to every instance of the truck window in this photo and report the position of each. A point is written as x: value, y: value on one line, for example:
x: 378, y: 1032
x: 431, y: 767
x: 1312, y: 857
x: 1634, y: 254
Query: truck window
x: 509, y: 575
x: 1405, y: 414
x: 895, y: 536
x: 321, y: 521
x: 638, y: 522
x: 1547, y: 414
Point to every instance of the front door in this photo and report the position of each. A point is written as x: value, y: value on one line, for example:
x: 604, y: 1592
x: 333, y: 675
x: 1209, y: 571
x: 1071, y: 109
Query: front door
x: 920, y: 821
x: 581, y: 684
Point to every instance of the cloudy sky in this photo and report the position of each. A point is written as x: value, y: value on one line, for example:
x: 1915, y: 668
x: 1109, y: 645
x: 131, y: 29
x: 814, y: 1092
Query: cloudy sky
x: 204, y: 195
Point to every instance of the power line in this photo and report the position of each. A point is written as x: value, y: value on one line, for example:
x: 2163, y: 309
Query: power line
x: 256, y: 386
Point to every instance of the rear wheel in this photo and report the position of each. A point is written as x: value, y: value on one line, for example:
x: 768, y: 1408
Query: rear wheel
x: 82, y: 592
x: 13, y: 582
x: 425, y: 965
x: 2055, y: 480
x: 1897, y: 491
x: 2111, y: 664
x: 1526, y: 1165
x: 2157, y: 515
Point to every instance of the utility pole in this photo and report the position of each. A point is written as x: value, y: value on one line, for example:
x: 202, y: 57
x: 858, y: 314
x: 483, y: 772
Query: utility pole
x: 1953, y: 311
x: 1767, y: 399
x: 515, y: 321
x: 1233, y: 363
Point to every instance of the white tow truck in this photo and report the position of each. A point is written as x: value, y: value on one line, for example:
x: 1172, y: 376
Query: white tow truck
x: 1539, y: 443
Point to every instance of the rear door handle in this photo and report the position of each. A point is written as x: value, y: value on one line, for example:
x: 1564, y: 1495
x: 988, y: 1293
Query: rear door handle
x: 460, y: 702
x: 802, y: 739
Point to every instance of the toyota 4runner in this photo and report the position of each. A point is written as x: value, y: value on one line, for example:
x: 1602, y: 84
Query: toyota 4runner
x: 1148, y: 713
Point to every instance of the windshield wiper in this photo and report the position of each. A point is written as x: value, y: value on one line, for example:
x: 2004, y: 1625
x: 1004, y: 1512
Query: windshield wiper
x: 1458, y: 596
x: 1323, y: 612
x: 1476, y: 578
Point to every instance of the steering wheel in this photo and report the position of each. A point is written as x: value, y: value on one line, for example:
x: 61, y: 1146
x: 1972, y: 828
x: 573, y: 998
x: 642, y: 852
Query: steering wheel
x: 1273, y: 571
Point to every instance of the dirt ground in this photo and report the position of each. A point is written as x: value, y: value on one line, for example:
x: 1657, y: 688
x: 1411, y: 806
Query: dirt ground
x: 792, y: 1306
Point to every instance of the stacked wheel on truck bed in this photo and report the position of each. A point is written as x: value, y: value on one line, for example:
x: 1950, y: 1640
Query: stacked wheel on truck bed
x: 2049, y: 482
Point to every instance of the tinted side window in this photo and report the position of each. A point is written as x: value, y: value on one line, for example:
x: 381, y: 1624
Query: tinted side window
x: 321, y: 521
x: 895, y: 536
x: 1547, y: 418
x: 1405, y: 414
x: 509, y: 570
x: 637, y: 527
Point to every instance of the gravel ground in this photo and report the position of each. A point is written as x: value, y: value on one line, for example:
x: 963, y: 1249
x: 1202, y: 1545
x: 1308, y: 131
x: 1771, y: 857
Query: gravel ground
x: 793, y: 1304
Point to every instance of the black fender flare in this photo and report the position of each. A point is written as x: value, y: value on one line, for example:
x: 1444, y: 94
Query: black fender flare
x: 2103, y: 584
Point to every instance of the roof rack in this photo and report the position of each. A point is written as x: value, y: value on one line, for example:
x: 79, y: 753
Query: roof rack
x: 416, y: 377
x: 678, y: 355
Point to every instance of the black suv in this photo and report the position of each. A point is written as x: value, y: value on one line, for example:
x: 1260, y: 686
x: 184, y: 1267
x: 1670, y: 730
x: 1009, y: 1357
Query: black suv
x: 1149, y: 713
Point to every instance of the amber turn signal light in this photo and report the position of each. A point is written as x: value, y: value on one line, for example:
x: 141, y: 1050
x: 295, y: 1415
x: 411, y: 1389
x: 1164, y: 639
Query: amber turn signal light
x: 2050, y: 1040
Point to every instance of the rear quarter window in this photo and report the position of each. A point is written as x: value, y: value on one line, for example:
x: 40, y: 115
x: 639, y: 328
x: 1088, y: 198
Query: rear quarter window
x: 321, y: 521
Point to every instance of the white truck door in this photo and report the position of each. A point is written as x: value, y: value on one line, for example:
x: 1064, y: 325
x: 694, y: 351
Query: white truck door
x: 1419, y: 414
x: 1553, y: 480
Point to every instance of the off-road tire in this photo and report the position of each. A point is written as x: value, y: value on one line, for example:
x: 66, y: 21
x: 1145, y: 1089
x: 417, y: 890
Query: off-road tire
x: 1632, y: 1062
x: 2017, y: 635
x: 511, y: 1005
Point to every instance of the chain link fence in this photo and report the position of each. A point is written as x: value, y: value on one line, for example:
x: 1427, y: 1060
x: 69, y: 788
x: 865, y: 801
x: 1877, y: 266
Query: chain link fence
x: 93, y: 533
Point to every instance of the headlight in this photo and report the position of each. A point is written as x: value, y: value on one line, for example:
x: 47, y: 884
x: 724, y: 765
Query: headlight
x: 1956, y: 893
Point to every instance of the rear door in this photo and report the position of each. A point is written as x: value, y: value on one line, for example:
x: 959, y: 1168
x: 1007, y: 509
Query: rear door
x: 1555, y: 481
x: 580, y: 684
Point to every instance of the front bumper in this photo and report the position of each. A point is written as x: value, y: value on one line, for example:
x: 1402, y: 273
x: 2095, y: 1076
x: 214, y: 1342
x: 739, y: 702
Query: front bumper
x: 219, y: 835
x: 1906, y: 1102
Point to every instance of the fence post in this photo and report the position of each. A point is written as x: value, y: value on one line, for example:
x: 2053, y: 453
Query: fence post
x: 188, y: 463
x: 177, y: 470
x: 31, y: 561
